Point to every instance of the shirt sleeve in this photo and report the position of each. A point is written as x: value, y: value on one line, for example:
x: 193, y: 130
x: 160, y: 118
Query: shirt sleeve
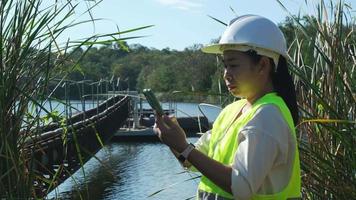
x: 258, y: 151
x: 202, y: 145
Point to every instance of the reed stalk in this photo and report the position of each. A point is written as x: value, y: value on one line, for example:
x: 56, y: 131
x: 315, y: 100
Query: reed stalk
x: 323, y: 65
x: 30, y: 57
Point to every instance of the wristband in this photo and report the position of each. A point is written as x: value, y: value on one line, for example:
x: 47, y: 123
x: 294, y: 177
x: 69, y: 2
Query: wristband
x: 184, y: 155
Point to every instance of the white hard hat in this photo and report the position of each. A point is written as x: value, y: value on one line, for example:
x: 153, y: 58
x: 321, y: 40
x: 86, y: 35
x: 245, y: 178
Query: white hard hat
x: 251, y: 32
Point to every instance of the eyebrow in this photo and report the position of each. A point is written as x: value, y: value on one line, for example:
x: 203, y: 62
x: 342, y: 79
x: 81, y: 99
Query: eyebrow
x: 230, y: 59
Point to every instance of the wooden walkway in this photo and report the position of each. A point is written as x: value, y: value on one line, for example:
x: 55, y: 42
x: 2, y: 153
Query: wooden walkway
x: 55, y: 152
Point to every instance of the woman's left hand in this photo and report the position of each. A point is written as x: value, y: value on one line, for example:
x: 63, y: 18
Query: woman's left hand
x: 170, y: 133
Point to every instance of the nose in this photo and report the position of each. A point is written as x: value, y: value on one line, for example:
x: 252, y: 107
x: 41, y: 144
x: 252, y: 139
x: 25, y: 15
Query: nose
x: 227, y: 75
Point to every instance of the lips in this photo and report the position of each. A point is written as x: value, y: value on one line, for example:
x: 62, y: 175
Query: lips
x: 230, y: 86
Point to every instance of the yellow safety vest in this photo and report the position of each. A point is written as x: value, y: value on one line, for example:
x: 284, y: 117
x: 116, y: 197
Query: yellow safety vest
x: 223, y: 145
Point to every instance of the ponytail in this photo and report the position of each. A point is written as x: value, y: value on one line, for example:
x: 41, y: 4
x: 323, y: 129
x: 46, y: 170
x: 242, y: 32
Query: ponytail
x: 284, y: 86
x: 282, y: 82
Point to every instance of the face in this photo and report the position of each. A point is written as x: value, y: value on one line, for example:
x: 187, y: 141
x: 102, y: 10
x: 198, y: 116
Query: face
x: 241, y: 75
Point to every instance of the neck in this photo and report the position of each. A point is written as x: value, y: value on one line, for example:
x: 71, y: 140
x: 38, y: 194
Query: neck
x: 254, y: 97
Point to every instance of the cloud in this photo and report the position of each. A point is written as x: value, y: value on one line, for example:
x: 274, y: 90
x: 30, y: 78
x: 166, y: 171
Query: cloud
x: 182, y: 4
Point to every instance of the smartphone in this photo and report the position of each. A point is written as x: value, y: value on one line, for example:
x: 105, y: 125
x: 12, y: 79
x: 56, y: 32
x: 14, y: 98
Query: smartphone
x: 152, y: 100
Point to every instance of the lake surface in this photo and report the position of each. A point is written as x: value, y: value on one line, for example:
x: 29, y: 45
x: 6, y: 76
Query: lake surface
x: 182, y: 109
x: 130, y: 170
x: 134, y: 170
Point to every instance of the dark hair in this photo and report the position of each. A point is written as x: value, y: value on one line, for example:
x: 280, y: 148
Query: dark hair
x: 282, y: 82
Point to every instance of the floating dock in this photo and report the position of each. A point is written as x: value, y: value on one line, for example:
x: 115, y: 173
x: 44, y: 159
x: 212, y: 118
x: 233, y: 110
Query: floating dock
x: 193, y: 126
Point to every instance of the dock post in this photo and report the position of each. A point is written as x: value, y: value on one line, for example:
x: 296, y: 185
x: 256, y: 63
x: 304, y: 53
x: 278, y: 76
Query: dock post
x: 135, y: 124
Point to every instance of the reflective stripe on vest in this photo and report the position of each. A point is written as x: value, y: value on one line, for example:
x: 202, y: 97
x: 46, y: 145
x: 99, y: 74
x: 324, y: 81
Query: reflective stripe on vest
x: 223, y: 145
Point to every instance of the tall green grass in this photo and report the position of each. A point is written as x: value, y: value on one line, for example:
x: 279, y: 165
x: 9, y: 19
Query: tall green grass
x: 324, y: 61
x: 30, y: 57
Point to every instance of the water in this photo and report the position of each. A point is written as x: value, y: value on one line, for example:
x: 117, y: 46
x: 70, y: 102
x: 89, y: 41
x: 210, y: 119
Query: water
x: 130, y: 170
x: 74, y: 107
x: 192, y: 109
x: 134, y: 170
x: 183, y: 109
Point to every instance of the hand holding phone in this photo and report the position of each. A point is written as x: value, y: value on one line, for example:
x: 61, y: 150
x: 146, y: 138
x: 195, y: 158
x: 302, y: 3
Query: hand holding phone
x: 152, y: 100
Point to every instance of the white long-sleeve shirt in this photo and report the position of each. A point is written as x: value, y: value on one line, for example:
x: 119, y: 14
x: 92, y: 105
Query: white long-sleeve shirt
x: 264, y: 157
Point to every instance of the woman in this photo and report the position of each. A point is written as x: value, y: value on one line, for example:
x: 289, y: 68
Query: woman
x: 251, y: 152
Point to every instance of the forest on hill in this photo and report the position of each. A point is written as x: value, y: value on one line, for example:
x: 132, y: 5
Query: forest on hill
x: 138, y: 67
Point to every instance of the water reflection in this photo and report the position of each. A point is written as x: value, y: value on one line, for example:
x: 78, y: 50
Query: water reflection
x: 130, y: 170
x: 134, y: 170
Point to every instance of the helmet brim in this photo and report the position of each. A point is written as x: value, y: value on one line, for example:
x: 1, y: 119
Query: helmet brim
x: 212, y: 49
x: 220, y: 48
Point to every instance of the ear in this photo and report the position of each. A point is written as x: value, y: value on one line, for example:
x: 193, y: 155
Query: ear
x: 264, y: 65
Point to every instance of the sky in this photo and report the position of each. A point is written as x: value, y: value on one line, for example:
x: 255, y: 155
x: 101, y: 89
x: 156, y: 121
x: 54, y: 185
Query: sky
x: 178, y: 23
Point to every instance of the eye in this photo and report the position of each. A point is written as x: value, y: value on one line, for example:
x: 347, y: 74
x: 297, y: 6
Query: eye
x: 231, y: 65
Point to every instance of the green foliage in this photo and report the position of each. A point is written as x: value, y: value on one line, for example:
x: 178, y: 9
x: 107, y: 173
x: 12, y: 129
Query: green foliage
x: 30, y: 58
x: 324, y: 62
x: 322, y: 47
x: 139, y: 67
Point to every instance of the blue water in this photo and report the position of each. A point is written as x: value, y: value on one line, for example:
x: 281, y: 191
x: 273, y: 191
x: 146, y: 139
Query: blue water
x: 182, y: 109
x: 130, y: 170
x: 134, y: 170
